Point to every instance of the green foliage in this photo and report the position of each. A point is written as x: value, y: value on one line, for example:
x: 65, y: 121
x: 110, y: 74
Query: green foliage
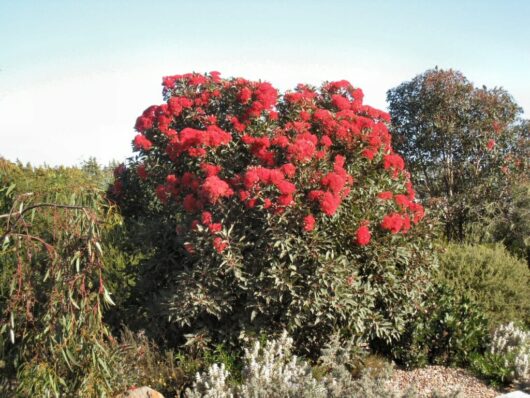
x: 448, y: 330
x: 53, y: 341
x: 498, y: 282
x: 464, y: 145
x: 492, y: 367
x: 512, y: 228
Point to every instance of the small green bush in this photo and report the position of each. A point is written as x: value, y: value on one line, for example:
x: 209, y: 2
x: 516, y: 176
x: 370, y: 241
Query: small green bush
x: 497, y: 281
x: 449, y: 329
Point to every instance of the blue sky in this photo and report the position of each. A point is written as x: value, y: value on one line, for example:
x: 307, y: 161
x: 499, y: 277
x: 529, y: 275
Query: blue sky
x: 75, y: 74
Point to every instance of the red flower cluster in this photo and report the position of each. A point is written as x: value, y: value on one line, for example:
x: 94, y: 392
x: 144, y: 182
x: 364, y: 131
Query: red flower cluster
x: 395, y: 163
x: 294, y: 154
x: 141, y: 142
x: 214, y: 189
x: 396, y: 222
x: 363, y: 234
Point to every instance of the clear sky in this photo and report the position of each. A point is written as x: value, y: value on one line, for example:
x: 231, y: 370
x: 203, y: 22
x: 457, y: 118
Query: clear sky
x: 74, y: 75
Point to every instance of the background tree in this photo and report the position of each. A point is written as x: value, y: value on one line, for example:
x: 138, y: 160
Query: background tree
x: 464, y: 146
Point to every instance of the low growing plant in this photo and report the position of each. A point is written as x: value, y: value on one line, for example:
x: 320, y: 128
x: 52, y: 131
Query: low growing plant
x: 508, y: 357
x: 447, y: 331
x: 272, y: 371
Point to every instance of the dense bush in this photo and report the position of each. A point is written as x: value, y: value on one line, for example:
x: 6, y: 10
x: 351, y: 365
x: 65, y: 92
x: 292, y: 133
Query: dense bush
x: 263, y: 212
x: 448, y: 331
x: 497, y: 281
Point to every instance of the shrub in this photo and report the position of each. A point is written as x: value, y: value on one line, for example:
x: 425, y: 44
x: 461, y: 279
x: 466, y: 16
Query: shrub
x: 142, y: 363
x: 264, y: 212
x: 272, y: 370
x: 448, y: 330
x: 52, y: 337
x: 508, y: 357
x: 497, y: 281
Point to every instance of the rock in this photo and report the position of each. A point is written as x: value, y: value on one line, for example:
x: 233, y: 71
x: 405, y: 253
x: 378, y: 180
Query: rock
x: 515, y: 394
x: 141, y: 392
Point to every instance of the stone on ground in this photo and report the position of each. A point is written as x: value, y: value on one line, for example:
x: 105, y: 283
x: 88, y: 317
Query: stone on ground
x: 141, y: 392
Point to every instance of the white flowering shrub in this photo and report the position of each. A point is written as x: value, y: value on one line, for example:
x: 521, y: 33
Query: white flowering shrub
x: 269, y: 371
x: 513, y: 344
x: 212, y: 384
x: 272, y: 371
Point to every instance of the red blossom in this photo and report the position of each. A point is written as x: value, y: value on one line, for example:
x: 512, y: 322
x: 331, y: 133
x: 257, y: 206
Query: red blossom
x: 214, y: 189
x: 161, y: 193
x: 219, y: 244
x: 244, y: 95
x: 215, y: 227
x: 363, y: 235
x: 334, y: 182
x: 289, y: 169
x: 402, y: 201
x: 418, y: 212
x: 340, y: 102
x: 326, y: 141
x: 317, y: 133
x: 368, y: 153
x: 142, y: 173
x: 206, y: 218
x: 119, y: 170
x: 394, y: 162
x: 210, y: 169
x: 302, y: 150
x: 238, y: 126
x: 386, y: 195
x: 190, y: 203
x: 286, y: 187
x: 143, y: 123
x: 392, y: 222
x: 285, y: 200
x: 141, y: 142
x: 172, y: 179
x: 117, y: 188
x: 309, y: 223
x: 329, y: 203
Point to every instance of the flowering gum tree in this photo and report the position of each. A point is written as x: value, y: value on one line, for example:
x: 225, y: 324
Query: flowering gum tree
x: 272, y: 211
x: 466, y: 147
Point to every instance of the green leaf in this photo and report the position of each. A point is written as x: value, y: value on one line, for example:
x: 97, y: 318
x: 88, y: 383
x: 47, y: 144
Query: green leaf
x: 106, y: 296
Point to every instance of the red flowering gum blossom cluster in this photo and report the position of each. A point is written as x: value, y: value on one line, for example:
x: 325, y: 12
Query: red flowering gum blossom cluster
x: 238, y: 143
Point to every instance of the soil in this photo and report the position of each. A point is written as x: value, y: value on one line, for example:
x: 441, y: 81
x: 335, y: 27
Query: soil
x: 443, y: 380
